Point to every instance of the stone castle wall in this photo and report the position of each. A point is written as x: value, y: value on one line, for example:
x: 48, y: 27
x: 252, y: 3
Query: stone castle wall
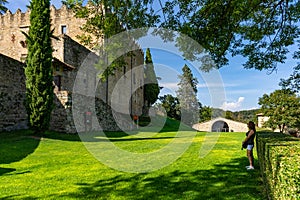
x: 13, y: 114
x: 69, y: 52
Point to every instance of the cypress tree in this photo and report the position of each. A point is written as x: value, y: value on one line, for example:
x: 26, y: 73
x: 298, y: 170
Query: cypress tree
x: 2, y: 7
x: 38, y: 71
x: 151, y: 89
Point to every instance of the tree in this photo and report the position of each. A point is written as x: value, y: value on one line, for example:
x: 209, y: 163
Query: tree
x: 228, y: 114
x: 293, y: 82
x: 111, y: 17
x: 108, y: 18
x: 2, y: 7
x: 38, y: 71
x: 171, y: 105
x: 283, y: 108
x: 205, y: 113
x: 261, y: 31
x: 151, y: 88
x: 186, y: 94
x: 72, y: 3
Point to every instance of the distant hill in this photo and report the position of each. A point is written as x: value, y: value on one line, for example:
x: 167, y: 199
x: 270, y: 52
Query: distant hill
x: 240, y: 116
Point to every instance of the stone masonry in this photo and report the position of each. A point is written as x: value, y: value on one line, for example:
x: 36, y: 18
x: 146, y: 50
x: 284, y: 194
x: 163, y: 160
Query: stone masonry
x: 68, y: 56
x: 12, y: 94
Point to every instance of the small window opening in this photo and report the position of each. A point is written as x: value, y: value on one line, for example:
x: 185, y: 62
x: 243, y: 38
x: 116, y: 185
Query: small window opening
x: 63, y: 29
x: 124, y: 69
x: 57, y: 82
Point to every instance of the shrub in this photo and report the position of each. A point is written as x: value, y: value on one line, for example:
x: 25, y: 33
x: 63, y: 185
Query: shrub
x: 279, y: 156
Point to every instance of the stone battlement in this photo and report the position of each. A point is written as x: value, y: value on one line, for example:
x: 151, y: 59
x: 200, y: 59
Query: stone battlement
x: 12, y: 26
x: 21, y: 18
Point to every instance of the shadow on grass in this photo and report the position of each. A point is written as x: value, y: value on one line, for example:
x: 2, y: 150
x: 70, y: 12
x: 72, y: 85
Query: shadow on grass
x: 170, y: 125
x: 17, y: 145
x: 6, y: 170
x: 224, y: 181
x: 62, y: 136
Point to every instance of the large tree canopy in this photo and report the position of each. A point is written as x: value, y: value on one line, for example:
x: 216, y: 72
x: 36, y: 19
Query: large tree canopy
x: 261, y: 31
x: 107, y: 18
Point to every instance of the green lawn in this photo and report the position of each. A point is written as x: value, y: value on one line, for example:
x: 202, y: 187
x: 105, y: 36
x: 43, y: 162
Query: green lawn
x: 58, y: 166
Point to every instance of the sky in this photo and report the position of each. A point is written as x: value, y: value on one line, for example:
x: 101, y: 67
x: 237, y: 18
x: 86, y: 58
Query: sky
x: 241, y: 87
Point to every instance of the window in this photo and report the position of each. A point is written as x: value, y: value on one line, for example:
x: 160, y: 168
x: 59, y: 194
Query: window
x: 57, y: 82
x: 23, y: 44
x: 63, y: 29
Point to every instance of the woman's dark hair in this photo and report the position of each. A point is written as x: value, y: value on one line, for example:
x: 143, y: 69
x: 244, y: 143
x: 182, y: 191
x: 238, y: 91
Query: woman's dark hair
x: 251, y: 125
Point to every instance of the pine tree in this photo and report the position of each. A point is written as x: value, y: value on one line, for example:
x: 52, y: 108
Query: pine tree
x: 151, y: 89
x: 38, y: 71
x: 186, y: 94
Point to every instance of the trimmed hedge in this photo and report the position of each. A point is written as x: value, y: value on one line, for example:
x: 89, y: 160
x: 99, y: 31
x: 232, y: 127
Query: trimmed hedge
x: 279, y: 160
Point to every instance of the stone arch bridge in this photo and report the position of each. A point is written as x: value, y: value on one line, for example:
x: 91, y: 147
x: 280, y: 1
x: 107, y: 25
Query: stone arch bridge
x: 221, y: 125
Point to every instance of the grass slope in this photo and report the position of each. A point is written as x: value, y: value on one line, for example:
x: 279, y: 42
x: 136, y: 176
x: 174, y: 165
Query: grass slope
x: 59, y: 166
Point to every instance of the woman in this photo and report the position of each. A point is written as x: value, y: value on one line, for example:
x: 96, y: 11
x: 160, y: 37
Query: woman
x: 249, y: 140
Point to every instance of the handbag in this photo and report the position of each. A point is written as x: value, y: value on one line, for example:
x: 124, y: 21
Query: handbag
x: 244, y: 145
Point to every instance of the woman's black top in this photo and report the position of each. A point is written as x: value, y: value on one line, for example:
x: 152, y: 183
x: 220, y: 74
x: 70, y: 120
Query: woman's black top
x: 250, y: 141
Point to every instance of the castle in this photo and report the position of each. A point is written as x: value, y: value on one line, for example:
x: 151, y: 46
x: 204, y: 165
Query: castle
x: 68, y: 56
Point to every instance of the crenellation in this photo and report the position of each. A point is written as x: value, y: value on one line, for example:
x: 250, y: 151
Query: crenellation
x: 12, y: 25
x: 26, y: 17
x: 52, y: 8
x: 59, y: 16
x: 8, y: 12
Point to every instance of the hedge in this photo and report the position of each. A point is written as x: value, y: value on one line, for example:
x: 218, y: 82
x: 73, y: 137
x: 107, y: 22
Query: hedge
x: 279, y: 160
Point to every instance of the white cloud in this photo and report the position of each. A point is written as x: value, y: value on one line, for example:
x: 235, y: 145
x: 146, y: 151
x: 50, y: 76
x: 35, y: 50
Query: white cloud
x: 233, y: 106
x: 170, y: 86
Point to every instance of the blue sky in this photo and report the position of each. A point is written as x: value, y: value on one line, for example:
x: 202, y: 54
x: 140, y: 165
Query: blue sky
x: 242, y: 86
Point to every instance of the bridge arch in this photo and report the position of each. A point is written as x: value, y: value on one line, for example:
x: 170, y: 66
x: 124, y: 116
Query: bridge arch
x: 220, y: 126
